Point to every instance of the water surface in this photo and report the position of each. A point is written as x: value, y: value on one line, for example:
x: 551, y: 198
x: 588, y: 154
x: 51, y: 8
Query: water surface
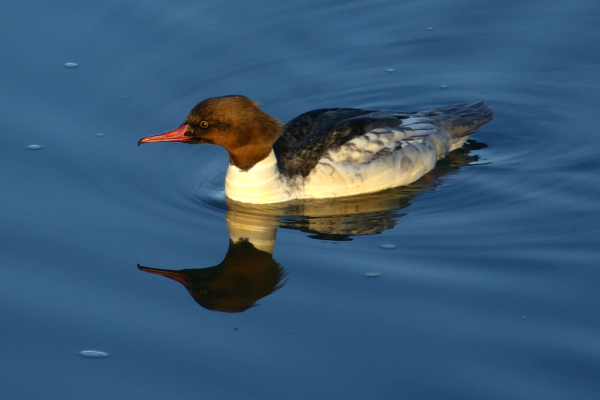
x: 490, y: 292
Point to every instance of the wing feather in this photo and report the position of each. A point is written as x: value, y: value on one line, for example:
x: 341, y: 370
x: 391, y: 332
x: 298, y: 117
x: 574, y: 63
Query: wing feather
x: 381, y: 141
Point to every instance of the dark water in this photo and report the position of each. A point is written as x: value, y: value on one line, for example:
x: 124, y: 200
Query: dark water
x: 491, y: 290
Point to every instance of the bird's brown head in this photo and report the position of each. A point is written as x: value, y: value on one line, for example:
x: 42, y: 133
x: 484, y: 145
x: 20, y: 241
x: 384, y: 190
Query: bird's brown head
x: 234, y: 122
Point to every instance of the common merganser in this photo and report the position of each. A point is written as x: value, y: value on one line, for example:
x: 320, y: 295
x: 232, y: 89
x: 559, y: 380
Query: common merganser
x: 330, y: 152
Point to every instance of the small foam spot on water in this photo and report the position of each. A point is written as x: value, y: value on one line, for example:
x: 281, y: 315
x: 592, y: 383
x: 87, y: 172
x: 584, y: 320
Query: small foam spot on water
x: 99, y: 134
x: 93, y: 354
x: 387, y: 246
x: 34, y: 147
x: 371, y: 274
x: 71, y: 65
x: 390, y: 70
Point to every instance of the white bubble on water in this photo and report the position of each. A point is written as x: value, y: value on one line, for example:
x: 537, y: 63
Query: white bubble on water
x: 34, y: 147
x: 93, y: 354
x: 71, y: 65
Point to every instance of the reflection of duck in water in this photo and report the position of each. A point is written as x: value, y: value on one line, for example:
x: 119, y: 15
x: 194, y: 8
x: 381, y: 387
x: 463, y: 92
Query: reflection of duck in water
x: 242, y: 278
x: 248, y: 272
x: 324, y: 153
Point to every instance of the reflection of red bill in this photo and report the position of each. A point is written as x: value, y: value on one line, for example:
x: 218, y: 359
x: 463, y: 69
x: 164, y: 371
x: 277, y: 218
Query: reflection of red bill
x: 175, y: 275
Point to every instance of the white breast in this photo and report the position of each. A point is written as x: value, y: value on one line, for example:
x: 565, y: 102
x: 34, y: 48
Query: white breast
x: 260, y: 185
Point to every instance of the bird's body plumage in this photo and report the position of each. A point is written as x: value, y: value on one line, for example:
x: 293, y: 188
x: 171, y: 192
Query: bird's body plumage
x: 327, y: 152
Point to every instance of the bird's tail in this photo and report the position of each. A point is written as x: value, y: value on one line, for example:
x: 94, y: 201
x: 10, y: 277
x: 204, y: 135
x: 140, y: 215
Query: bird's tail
x: 461, y: 119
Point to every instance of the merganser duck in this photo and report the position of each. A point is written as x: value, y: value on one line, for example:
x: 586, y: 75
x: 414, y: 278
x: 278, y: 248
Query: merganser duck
x: 330, y: 152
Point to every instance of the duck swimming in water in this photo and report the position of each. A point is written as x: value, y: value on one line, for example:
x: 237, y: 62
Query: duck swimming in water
x: 330, y: 152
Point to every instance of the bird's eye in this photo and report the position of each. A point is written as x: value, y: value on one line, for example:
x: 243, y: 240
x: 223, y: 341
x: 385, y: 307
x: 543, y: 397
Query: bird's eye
x: 203, y: 124
x: 203, y: 291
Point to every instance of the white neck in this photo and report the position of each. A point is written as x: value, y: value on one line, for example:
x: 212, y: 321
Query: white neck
x: 260, y: 184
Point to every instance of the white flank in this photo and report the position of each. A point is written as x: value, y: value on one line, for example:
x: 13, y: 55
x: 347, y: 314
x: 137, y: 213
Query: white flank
x: 339, y: 173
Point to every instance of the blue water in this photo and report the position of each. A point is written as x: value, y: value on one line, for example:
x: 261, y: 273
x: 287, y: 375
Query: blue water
x: 490, y: 291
